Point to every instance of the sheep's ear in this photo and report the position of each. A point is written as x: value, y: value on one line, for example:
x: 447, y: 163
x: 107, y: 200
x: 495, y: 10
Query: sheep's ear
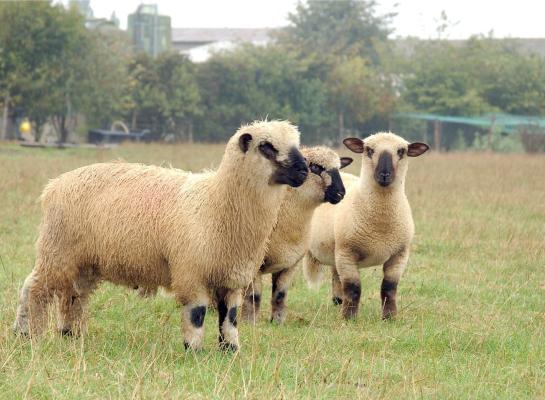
x: 417, y: 148
x: 346, y: 161
x: 244, y: 142
x: 354, y: 144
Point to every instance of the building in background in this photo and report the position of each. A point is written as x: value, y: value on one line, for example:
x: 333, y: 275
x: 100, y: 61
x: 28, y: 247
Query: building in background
x: 149, y: 31
x: 200, y: 43
x: 92, y: 22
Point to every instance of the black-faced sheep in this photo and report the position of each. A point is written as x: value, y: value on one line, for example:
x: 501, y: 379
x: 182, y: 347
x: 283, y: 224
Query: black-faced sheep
x: 291, y: 235
x: 201, y: 235
x: 372, y: 226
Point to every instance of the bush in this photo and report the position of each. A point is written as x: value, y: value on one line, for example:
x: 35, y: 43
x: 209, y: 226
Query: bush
x: 533, y: 140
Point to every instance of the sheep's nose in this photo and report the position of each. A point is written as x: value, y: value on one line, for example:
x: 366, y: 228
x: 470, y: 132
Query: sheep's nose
x: 302, y: 172
x: 385, y: 174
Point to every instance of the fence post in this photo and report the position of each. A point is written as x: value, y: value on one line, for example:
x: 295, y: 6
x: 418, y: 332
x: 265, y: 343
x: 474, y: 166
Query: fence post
x: 490, y: 132
x: 437, y: 135
x: 3, y: 132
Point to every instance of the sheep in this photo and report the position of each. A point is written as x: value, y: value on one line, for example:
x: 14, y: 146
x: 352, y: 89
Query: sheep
x: 201, y: 235
x: 291, y: 235
x: 372, y: 226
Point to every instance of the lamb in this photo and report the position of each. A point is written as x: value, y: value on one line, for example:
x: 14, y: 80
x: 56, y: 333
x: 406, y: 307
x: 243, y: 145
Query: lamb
x: 201, y: 235
x: 372, y: 226
x: 291, y: 234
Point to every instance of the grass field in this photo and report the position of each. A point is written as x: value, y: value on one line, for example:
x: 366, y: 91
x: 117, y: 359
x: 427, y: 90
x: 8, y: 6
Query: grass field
x: 472, y: 302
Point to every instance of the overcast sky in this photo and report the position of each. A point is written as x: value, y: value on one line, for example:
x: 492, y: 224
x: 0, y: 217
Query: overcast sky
x: 521, y: 18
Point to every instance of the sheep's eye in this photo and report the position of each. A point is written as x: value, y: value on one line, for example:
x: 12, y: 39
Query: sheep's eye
x: 316, y: 169
x: 370, y: 152
x: 268, y: 150
x: 401, y: 153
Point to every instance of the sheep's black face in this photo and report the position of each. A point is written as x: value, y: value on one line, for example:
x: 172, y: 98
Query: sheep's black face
x: 334, y: 191
x: 385, y: 171
x: 292, y: 171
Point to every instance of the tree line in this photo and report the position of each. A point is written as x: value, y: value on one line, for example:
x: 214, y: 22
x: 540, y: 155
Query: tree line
x: 334, y: 71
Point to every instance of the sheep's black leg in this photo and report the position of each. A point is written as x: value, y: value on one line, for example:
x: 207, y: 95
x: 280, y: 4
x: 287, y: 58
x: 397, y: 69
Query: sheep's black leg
x: 393, y: 269
x: 336, y: 287
x: 228, y: 302
x: 349, y: 276
x: 281, y: 282
x: 388, y: 291
x: 193, y: 325
x: 351, y: 298
x: 252, y: 300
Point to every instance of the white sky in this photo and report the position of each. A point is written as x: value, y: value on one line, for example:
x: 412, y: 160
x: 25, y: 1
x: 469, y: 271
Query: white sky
x: 521, y: 18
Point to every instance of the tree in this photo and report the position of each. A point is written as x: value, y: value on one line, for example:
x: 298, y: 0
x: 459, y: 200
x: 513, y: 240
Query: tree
x: 253, y: 82
x: 513, y: 82
x: 350, y: 41
x: 164, y: 94
x: 106, y: 87
x: 330, y: 29
x: 442, y: 80
x: 359, y: 92
x: 481, y: 75
x: 55, y: 68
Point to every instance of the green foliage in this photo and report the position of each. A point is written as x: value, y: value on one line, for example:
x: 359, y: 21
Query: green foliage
x: 442, y: 80
x: 327, y: 29
x: 164, y: 94
x: 482, y: 75
x: 358, y: 91
x: 106, y: 89
x: 260, y: 82
x: 332, y: 71
x: 54, y: 67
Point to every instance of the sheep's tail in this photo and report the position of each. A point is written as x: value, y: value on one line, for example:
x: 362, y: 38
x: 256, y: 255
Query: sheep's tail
x: 313, y: 271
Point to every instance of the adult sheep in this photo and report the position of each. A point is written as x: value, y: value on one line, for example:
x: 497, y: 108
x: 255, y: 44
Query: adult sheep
x: 291, y: 235
x: 202, y: 235
x: 372, y: 226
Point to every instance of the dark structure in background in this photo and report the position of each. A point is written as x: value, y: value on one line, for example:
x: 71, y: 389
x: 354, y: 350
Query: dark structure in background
x: 149, y: 31
x: 102, y: 136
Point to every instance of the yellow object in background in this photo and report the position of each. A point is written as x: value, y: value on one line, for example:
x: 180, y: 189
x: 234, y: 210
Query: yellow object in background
x: 25, y: 127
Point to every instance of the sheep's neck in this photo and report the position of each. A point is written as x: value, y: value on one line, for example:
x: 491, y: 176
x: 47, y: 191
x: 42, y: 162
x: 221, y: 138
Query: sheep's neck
x: 295, y: 213
x: 380, y: 202
x: 246, y: 202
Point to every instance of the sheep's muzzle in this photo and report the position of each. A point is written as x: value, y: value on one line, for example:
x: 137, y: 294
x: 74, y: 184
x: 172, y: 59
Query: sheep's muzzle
x: 293, y: 171
x: 384, y: 171
x: 335, y: 191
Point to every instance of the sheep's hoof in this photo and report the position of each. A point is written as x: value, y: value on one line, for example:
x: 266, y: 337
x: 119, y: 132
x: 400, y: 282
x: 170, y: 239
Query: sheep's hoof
x: 350, y: 313
x: 228, y: 347
x: 67, y: 332
x: 388, y: 315
x: 278, y: 319
x: 188, y: 347
x: 337, y: 300
x: 19, y: 333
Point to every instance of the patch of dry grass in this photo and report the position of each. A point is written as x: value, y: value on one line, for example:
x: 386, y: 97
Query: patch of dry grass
x: 472, y: 320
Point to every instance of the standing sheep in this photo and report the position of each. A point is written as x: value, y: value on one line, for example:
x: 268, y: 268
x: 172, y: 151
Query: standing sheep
x: 202, y: 235
x: 372, y: 226
x: 291, y: 235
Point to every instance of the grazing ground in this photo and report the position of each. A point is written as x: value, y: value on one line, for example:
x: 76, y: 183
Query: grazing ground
x: 471, y: 324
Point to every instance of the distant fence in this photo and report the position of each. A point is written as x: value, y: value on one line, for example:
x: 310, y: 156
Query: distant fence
x: 446, y: 132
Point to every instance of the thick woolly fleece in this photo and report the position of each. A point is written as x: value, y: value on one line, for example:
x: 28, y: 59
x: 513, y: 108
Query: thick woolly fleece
x: 291, y: 235
x: 373, y: 225
x: 147, y: 226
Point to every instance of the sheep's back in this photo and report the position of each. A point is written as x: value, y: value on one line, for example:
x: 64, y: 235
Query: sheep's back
x: 111, y: 215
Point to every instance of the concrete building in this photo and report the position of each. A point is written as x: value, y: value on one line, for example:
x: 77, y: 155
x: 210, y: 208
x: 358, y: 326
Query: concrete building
x: 149, y: 31
x: 92, y: 22
x: 200, y: 43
